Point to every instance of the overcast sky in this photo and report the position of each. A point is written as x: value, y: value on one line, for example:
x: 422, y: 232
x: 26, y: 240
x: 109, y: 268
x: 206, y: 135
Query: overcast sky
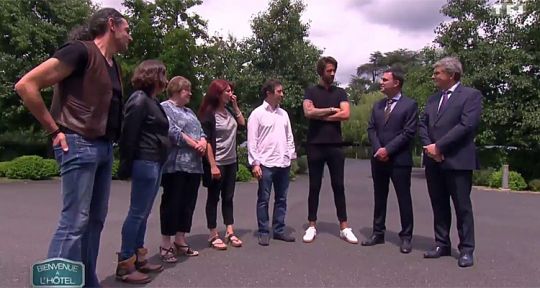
x: 349, y: 30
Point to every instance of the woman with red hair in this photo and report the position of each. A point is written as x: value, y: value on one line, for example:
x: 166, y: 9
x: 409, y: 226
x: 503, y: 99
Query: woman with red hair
x: 220, y: 123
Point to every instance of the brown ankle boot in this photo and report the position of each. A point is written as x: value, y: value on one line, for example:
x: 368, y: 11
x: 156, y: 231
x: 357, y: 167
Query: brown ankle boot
x: 142, y: 263
x: 127, y: 272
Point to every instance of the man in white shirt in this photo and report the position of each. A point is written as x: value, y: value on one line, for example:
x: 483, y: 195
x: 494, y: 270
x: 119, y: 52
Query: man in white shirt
x: 270, y: 151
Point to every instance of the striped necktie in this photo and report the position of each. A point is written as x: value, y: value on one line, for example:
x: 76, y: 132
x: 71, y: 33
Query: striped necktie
x: 388, y: 109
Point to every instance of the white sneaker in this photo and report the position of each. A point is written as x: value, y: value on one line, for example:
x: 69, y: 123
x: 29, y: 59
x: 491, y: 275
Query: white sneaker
x: 310, y: 234
x: 347, y: 235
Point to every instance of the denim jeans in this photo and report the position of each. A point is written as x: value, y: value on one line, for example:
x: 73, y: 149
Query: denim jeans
x: 86, y: 183
x: 280, y: 178
x: 145, y: 179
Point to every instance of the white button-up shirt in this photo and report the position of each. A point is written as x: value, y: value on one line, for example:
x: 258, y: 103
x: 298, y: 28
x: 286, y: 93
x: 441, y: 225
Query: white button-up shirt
x: 270, y: 137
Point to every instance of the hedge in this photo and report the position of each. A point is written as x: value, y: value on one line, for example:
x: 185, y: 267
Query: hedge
x: 243, y: 174
x: 31, y: 167
x: 534, y: 185
x: 482, y: 177
x: 515, y: 180
x: 302, y: 165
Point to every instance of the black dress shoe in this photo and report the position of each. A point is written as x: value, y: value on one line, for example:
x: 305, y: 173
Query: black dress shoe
x: 437, y: 252
x: 284, y: 237
x: 465, y: 260
x: 264, y: 239
x: 373, y: 240
x: 405, y: 246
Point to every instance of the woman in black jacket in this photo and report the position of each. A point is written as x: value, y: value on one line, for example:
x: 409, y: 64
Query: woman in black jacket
x: 143, y: 150
x: 220, y: 124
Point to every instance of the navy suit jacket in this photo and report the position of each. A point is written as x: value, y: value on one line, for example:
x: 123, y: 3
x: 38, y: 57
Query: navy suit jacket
x: 453, y: 129
x: 397, y: 133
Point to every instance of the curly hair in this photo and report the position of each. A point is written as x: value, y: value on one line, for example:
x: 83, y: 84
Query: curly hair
x: 149, y: 74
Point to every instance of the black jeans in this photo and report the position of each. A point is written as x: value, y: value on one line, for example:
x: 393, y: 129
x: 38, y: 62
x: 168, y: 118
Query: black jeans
x: 180, y: 190
x: 333, y: 156
x: 224, y: 187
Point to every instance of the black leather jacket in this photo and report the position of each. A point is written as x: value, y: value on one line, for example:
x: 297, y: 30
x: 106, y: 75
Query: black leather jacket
x: 145, y: 132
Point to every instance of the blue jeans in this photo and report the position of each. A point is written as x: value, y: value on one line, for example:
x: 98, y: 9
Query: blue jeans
x: 280, y: 178
x: 86, y: 184
x: 145, y: 179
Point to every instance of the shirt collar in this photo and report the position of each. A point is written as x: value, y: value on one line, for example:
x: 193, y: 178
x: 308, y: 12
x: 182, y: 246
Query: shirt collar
x: 453, y: 88
x: 269, y: 107
x: 324, y: 87
x: 395, y: 98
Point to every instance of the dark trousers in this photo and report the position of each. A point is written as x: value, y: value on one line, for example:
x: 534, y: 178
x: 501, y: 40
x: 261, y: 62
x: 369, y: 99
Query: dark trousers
x: 180, y: 190
x: 382, y: 173
x: 455, y: 184
x: 280, y: 178
x: 224, y: 187
x: 333, y: 156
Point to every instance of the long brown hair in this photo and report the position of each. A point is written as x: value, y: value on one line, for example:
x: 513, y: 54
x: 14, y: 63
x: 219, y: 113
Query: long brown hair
x: 211, y: 99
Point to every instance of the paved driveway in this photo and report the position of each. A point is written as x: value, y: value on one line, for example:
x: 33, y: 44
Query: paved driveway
x: 507, y: 237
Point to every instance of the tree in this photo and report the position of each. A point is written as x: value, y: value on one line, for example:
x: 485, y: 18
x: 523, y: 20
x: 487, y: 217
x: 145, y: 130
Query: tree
x: 511, y: 86
x: 355, y: 130
x: 368, y: 74
x: 31, y: 31
x: 501, y: 59
x: 279, y: 48
x: 164, y: 30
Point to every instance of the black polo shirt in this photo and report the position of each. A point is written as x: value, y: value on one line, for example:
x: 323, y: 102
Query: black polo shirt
x: 325, y: 132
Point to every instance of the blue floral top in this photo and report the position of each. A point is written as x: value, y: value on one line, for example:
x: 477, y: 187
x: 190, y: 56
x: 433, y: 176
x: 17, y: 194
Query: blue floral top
x: 182, y: 157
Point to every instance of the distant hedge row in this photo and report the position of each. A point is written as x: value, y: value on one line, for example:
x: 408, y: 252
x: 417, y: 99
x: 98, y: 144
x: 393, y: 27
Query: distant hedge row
x: 37, y: 168
x: 493, y: 178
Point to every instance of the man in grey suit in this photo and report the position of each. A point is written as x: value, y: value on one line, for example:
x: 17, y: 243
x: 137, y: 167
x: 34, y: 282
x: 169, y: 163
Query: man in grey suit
x: 447, y: 129
x: 391, y: 131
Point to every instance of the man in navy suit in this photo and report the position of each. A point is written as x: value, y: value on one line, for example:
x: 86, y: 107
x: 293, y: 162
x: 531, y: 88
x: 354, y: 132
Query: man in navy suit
x: 391, y: 130
x: 447, y: 129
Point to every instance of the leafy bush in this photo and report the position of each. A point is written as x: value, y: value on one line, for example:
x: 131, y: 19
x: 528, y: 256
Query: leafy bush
x: 534, y: 185
x: 515, y: 180
x: 31, y: 167
x: 302, y: 165
x: 355, y: 130
x: 294, y: 166
x: 482, y: 177
x: 292, y: 171
x: 115, y: 166
x: 243, y: 174
x: 51, y: 167
x: 3, y: 168
x: 417, y: 161
x: 242, y: 154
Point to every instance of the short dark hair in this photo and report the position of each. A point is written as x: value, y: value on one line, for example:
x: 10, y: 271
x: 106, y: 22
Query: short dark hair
x: 321, y: 64
x: 269, y: 86
x: 147, y: 74
x: 397, y: 74
x: 97, y: 25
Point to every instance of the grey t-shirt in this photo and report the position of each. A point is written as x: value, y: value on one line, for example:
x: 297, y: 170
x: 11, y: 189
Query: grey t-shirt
x: 225, y: 138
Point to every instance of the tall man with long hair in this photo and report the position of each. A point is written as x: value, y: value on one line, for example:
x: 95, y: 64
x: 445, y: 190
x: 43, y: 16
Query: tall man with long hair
x: 85, y: 119
x: 326, y: 106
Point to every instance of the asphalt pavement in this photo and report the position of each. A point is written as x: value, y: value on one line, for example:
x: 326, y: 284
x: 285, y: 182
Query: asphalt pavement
x: 507, y: 240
